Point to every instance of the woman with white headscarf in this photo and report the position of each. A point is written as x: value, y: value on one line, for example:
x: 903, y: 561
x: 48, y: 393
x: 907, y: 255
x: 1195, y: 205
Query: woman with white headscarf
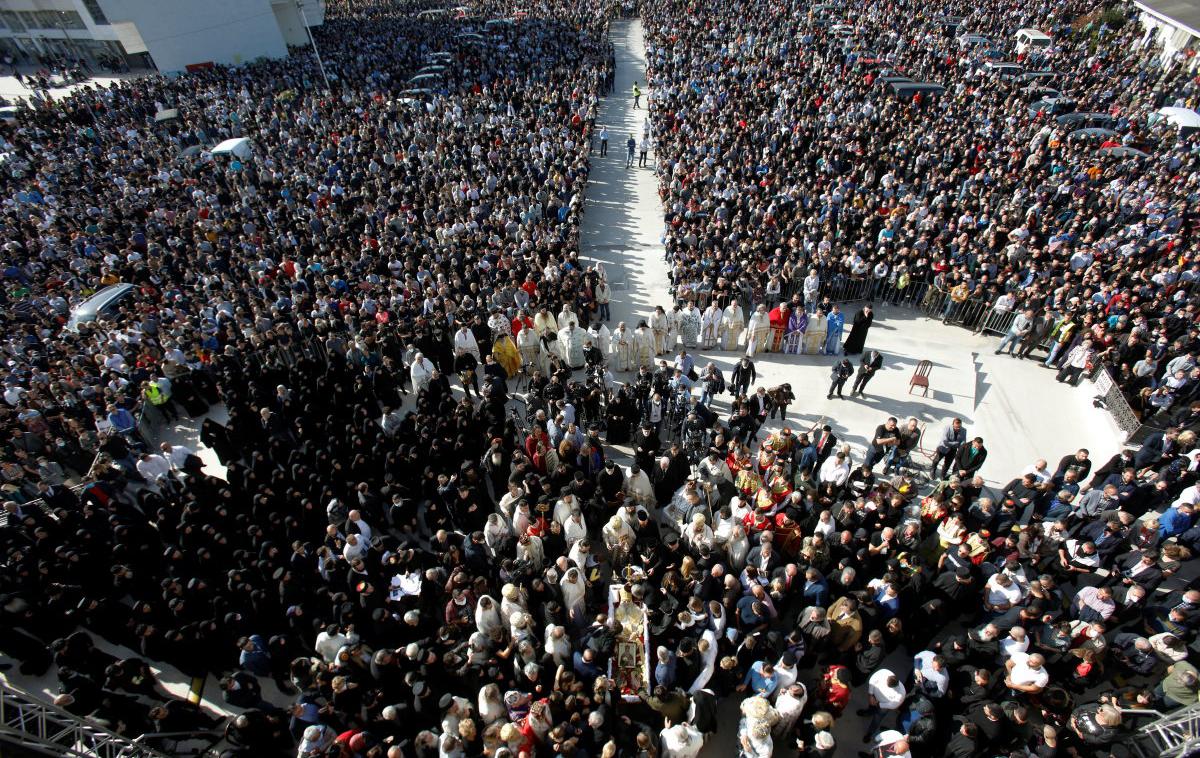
x: 512, y: 600
x: 491, y: 705
x: 738, y: 548
x: 487, y: 615
x: 574, y: 591
x: 479, y: 649
x: 520, y: 626
x: 496, y: 535
x: 558, y: 645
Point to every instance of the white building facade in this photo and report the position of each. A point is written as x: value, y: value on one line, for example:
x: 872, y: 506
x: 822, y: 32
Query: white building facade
x: 170, y: 35
x: 1175, y: 24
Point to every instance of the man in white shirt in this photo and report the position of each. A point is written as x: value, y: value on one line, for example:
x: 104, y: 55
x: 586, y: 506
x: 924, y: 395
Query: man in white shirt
x: 1027, y: 672
x: 330, y: 641
x: 930, y: 675
x: 681, y: 741
x: 154, y: 468
x: 835, y: 469
x: 176, y: 455
x: 364, y: 529
x: 1017, y: 641
x: 355, y: 547
x: 1040, y: 470
x: 885, y: 694
x: 1001, y: 593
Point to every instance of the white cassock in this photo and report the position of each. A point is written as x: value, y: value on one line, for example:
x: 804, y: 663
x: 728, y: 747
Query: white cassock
x: 759, y: 334
x: 644, y: 347
x: 531, y: 349
x: 710, y: 327
x: 708, y: 661
x: 570, y: 345
x: 495, y: 532
x: 574, y: 596
x: 814, y: 338
x: 789, y: 708
x: 621, y: 349
x: 487, y: 620
x: 681, y: 741
x: 574, y: 530
x: 673, y: 320
x: 521, y: 520
x: 691, y: 322
x: 600, y: 337
x: 558, y: 648
x: 581, y: 558
x: 464, y: 340
x: 659, y: 326
x: 566, y: 317
x: 638, y: 487
x: 732, y: 324
x: 738, y: 548
x: 420, y: 372
x: 562, y: 509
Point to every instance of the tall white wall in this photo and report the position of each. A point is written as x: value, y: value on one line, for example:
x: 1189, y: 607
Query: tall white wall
x: 182, y: 32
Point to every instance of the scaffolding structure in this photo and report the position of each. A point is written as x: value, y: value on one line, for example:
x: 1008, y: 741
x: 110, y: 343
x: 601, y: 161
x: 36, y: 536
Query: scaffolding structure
x: 39, y: 727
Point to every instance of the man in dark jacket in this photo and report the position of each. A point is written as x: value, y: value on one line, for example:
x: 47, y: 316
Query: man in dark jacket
x: 872, y: 361
x: 838, y: 376
x: 970, y: 458
x: 744, y: 374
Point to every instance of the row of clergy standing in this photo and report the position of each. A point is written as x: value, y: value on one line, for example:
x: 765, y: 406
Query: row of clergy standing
x: 544, y: 338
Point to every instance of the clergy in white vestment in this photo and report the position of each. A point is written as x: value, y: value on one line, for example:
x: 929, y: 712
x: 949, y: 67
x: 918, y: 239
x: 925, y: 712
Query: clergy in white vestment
x: 464, y: 340
x: 733, y: 321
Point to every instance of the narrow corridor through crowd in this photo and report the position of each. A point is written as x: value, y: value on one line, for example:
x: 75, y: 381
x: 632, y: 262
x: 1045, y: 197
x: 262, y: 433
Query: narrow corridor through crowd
x: 622, y: 223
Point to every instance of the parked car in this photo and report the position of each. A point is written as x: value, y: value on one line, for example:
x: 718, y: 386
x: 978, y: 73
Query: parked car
x: 967, y: 41
x: 1032, y: 39
x: 906, y: 90
x: 106, y: 302
x: 1052, y: 106
x: 1003, y: 70
x: 1081, y: 120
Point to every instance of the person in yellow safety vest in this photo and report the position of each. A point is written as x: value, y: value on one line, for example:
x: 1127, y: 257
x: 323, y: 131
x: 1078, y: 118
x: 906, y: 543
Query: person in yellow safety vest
x: 637, y: 94
x: 159, y: 399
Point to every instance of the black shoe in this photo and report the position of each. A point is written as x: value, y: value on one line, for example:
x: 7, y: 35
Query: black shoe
x: 841, y: 396
x: 829, y: 397
x: 862, y: 712
x: 997, y: 352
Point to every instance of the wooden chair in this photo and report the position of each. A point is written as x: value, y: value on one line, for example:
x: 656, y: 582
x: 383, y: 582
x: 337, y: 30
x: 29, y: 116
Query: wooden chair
x: 920, y: 378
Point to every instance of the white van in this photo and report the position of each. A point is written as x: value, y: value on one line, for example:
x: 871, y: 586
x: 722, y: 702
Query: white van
x: 1032, y: 39
x: 238, y: 147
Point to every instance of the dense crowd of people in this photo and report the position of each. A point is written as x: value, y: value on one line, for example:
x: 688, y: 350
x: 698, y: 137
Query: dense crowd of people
x: 418, y: 569
x: 788, y: 166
